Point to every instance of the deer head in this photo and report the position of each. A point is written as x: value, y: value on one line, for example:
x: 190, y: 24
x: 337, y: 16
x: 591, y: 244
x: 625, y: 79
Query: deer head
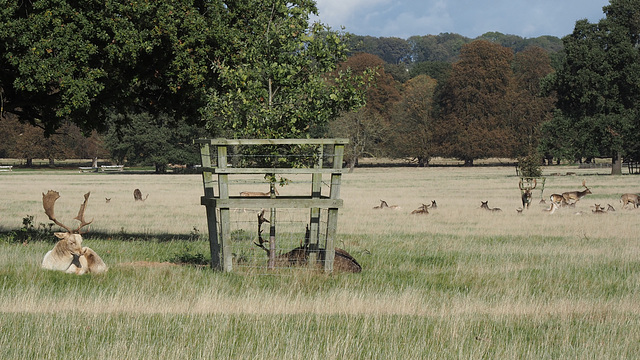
x: 72, y: 237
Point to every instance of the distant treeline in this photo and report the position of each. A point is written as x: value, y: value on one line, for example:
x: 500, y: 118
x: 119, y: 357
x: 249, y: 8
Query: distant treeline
x: 433, y: 54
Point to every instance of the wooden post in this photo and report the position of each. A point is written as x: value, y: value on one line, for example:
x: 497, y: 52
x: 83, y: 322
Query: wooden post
x: 225, y: 217
x: 212, y: 221
x: 332, y: 216
x: 314, y: 216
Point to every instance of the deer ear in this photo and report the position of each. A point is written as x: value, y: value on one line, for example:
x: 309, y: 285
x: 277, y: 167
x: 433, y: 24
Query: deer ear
x: 60, y: 235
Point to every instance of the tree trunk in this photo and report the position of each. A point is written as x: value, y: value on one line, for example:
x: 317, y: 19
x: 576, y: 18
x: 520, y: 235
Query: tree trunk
x: 29, y: 162
x: 468, y: 162
x: 616, y: 164
x: 51, y: 162
x: 94, y: 163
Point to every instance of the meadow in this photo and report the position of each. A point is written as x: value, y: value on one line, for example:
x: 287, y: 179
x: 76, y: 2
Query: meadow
x: 457, y: 283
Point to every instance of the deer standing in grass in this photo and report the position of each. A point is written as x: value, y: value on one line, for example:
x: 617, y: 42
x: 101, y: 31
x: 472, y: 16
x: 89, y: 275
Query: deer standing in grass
x: 629, y: 199
x: 574, y: 196
x: 526, y: 193
x: 68, y: 255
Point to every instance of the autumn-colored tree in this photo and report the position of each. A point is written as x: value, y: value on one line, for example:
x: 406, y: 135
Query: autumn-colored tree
x: 411, y: 132
x: 366, y: 128
x: 530, y: 108
x: 475, y: 101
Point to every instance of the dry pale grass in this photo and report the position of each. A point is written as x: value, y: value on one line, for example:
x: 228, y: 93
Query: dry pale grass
x: 461, y: 282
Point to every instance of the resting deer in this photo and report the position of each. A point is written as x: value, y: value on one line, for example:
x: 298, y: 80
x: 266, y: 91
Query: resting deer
x: 575, y: 195
x: 485, y: 206
x: 433, y: 204
x: 384, y: 205
x: 422, y: 210
x: 598, y: 209
x: 257, y: 193
x: 137, y: 195
x: 629, y: 199
x: 342, y: 262
x: 68, y: 255
x: 554, y: 206
x: 526, y: 193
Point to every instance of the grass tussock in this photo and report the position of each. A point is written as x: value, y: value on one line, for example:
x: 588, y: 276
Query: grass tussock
x: 457, y: 283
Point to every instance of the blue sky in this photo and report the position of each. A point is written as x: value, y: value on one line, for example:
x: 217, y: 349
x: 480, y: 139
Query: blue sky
x: 405, y: 18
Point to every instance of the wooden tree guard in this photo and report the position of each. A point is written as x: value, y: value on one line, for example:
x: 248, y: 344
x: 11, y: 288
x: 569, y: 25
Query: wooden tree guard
x: 220, y: 236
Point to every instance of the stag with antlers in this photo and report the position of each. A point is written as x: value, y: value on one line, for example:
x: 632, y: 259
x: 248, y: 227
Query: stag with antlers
x: 526, y: 193
x: 343, y: 261
x: 572, y: 197
x: 68, y: 254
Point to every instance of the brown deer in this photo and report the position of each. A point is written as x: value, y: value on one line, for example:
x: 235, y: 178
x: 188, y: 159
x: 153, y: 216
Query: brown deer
x: 598, y: 209
x: 422, y: 210
x: 257, y: 193
x: 384, y: 205
x: 526, y: 193
x: 68, y: 255
x: 137, y: 195
x: 485, y: 206
x: 342, y: 262
x: 557, y: 199
x: 574, y: 196
x: 629, y: 199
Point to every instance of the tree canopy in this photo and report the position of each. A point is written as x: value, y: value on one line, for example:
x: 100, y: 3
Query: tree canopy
x: 598, y: 86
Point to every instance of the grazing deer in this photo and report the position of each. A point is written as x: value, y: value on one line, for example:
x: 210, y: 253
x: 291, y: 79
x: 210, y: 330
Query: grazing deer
x: 257, y: 193
x: 526, y: 193
x: 575, y: 195
x: 422, y: 210
x: 137, y: 195
x: 68, y: 255
x: 342, y: 262
x: 629, y: 199
x: 485, y: 206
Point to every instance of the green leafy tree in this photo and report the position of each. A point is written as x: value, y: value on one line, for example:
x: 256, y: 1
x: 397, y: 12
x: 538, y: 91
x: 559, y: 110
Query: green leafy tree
x: 598, y: 86
x: 155, y: 140
x: 276, y: 76
x: 68, y: 60
x: 475, y: 119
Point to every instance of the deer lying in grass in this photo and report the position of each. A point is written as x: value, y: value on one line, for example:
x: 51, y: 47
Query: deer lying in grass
x: 598, y: 209
x: 68, y: 255
x: 137, y: 195
x: 554, y: 206
x: 257, y: 193
x: 422, y: 210
x: 384, y: 205
x: 485, y: 206
x: 626, y: 199
x: 342, y: 262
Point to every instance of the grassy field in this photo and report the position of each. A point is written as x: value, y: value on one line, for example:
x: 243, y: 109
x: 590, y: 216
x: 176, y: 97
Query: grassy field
x: 457, y: 283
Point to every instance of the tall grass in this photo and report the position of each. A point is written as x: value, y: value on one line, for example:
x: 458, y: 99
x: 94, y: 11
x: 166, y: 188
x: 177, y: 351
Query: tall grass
x: 457, y: 283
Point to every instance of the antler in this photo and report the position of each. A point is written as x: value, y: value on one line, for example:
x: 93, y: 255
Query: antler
x: 48, y: 202
x: 584, y: 184
x: 261, y: 219
x: 80, y: 216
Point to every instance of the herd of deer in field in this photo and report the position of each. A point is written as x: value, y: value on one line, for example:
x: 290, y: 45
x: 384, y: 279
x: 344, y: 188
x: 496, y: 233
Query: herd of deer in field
x: 566, y: 199
x: 70, y: 256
